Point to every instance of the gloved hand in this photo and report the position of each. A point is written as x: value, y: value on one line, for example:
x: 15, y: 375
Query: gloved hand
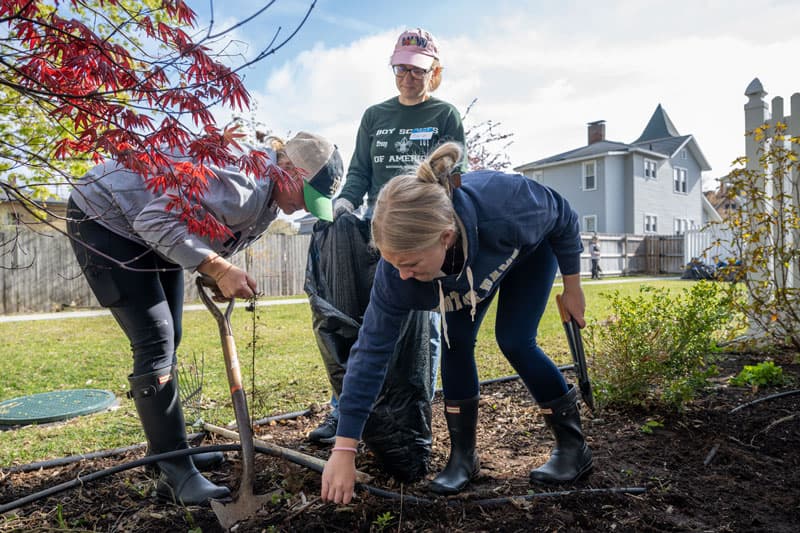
x: 342, y: 205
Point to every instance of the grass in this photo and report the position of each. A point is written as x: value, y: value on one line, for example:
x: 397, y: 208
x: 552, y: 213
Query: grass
x: 45, y: 355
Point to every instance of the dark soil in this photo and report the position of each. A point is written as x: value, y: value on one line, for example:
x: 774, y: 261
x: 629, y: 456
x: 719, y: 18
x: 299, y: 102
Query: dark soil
x: 706, y: 469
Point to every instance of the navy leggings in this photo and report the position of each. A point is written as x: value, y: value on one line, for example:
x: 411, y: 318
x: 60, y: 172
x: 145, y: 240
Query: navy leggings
x: 143, y: 291
x: 522, y: 298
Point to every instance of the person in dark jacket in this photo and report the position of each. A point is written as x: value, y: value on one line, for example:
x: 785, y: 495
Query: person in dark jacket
x: 453, y: 242
x: 394, y: 134
x: 133, y: 251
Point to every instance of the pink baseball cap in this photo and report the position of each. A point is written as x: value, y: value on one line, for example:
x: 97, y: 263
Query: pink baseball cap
x: 415, y: 48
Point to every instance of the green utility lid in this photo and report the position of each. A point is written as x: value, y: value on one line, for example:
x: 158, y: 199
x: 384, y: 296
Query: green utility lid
x: 53, y: 406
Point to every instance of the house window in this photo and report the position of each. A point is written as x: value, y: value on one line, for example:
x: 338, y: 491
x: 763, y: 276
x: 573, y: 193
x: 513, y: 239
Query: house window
x: 650, y: 223
x: 683, y: 154
x: 649, y: 168
x: 589, y: 176
x: 679, y: 179
x: 538, y: 176
x: 682, y: 225
x: 590, y: 224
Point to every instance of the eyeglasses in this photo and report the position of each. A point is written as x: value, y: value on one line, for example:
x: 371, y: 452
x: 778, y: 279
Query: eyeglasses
x: 416, y: 73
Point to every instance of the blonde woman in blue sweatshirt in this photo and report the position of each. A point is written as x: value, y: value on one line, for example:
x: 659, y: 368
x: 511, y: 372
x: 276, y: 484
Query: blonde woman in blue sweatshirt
x: 453, y: 243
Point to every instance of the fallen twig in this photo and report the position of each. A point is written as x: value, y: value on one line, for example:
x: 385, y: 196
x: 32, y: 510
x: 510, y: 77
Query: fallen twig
x: 711, y: 454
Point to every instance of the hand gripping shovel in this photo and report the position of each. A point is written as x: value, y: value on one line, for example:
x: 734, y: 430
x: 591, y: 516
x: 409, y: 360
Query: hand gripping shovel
x: 246, y: 503
x: 575, y: 342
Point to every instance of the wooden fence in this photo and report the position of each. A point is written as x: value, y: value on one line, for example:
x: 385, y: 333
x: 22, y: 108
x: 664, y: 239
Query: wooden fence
x: 38, y: 271
x: 622, y: 255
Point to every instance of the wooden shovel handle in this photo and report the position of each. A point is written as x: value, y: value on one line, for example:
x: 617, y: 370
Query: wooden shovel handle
x: 565, y: 318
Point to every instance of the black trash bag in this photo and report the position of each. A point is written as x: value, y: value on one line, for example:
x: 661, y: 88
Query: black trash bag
x: 339, y: 275
x: 697, y: 270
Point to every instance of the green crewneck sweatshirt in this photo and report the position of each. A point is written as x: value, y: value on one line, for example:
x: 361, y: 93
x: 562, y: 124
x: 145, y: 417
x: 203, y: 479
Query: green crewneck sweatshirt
x: 393, y: 137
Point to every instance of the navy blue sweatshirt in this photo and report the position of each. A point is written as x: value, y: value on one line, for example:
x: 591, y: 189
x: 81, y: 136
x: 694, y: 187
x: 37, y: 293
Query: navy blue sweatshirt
x: 503, y: 218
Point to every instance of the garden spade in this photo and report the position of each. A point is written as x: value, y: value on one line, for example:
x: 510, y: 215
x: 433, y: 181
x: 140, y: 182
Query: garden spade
x: 245, y: 504
x: 575, y: 342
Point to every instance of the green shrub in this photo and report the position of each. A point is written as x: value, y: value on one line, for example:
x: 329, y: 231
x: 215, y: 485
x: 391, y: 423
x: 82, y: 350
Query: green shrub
x: 764, y: 374
x: 658, y: 347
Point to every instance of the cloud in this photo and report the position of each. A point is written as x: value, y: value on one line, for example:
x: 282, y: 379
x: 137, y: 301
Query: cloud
x: 544, y: 77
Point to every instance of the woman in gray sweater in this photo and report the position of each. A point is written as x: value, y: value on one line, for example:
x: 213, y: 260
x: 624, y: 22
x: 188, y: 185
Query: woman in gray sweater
x: 133, y: 250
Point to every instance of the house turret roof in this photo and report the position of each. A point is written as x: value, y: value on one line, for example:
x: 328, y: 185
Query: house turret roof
x: 659, y: 127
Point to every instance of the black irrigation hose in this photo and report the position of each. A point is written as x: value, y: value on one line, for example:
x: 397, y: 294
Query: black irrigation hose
x: 81, y: 480
x: 764, y: 399
x: 491, y: 502
x: 557, y: 494
x: 63, y: 461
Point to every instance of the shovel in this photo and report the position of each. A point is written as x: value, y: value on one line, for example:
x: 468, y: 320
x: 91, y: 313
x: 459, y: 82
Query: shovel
x: 246, y: 503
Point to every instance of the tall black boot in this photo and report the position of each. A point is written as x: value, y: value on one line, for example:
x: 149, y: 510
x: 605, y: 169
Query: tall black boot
x: 156, y: 398
x: 571, y: 458
x: 205, y: 461
x: 463, y: 464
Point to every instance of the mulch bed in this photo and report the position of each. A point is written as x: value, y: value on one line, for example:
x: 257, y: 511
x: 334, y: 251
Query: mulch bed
x: 706, y: 469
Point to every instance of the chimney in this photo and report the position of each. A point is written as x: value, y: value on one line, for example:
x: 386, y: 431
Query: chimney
x: 597, y: 131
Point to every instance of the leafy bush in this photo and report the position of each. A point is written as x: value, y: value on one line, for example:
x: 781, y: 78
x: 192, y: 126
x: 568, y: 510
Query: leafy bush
x: 764, y: 374
x: 763, y: 234
x: 658, y: 347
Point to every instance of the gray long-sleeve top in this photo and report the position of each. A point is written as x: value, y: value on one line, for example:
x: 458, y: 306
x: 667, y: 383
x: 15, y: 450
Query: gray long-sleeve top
x: 117, y: 199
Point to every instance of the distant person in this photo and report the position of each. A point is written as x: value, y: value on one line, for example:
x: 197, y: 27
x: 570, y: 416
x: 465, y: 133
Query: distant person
x: 594, y: 252
x: 393, y: 135
x: 133, y: 251
x: 455, y: 244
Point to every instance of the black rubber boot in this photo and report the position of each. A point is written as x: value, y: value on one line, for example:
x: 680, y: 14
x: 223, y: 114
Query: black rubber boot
x: 463, y: 464
x: 158, y: 404
x: 204, y: 461
x: 571, y: 458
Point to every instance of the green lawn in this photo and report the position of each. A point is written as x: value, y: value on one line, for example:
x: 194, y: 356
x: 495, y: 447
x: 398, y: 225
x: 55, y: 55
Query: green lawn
x: 45, y: 355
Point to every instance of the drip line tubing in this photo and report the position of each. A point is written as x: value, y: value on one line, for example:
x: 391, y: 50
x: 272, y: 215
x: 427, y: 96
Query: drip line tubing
x: 764, y: 399
x: 63, y: 461
x: 150, y: 459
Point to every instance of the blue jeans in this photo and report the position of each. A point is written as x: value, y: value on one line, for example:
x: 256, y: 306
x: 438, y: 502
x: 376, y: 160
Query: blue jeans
x: 522, y: 299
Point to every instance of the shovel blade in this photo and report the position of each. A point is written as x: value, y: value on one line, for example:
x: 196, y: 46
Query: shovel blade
x: 242, y: 507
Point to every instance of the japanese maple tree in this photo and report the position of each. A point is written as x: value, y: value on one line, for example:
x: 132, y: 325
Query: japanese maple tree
x: 82, y: 80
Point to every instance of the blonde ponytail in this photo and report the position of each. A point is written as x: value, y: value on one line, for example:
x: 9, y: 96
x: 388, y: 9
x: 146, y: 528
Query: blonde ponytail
x: 413, y: 210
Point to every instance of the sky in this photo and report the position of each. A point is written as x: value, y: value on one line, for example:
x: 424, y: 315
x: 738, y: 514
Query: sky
x: 541, y: 69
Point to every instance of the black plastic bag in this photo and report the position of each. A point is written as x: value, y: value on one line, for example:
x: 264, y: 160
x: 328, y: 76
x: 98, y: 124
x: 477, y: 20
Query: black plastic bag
x: 697, y: 270
x: 339, y: 275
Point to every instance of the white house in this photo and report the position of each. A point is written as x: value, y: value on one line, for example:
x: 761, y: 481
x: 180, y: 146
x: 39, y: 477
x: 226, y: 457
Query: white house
x: 652, y: 185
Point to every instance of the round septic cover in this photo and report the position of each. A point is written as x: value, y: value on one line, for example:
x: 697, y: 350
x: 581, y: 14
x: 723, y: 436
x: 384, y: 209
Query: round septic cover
x: 54, y: 406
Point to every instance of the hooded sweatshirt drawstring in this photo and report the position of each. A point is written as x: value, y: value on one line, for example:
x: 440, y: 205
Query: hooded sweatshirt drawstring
x: 442, y: 311
x: 472, y: 298
x: 473, y: 301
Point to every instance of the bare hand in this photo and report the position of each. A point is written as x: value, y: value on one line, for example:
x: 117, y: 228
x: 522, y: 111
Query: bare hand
x: 339, y: 478
x: 231, y: 281
x: 236, y: 283
x: 573, y: 300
